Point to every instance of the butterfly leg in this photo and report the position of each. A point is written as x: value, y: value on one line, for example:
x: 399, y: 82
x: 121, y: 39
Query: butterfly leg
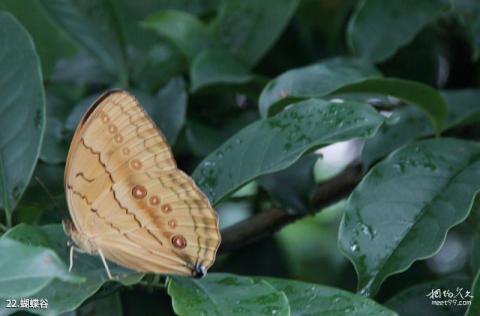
x: 71, y: 258
x: 105, y: 264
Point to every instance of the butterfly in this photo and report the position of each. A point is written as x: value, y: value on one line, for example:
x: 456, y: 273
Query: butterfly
x: 128, y: 201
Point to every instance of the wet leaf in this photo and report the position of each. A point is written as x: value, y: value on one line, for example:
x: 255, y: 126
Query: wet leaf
x: 226, y: 294
x: 22, y: 111
x: 408, y: 123
x: 188, y: 33
x: 413, y: 197
x: 273, y: 144
x: 313, y: 299
x: 340, y: 76
x: 66, y: 296
x: 248, y: 28
x: 414, y: 300
x: 389, y: 27
x: 96, y: 25
x: 211, y: 68
x: 316, y: 80
x: 424, y: 97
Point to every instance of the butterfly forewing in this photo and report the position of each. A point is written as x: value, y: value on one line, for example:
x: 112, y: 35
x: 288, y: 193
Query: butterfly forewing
x: 127, y: 197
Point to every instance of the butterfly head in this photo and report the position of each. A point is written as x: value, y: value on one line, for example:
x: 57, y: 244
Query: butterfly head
x: 77, y: 239
x: 199, y: 271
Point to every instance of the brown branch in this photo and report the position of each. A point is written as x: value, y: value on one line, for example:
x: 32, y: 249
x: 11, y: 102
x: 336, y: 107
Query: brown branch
x: 270, y: 221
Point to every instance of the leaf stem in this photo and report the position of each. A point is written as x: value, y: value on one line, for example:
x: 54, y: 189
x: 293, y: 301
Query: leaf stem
x: 3, y: 227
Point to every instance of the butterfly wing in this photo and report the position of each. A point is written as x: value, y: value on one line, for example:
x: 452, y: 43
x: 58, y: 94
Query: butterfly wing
x: 127, y: 197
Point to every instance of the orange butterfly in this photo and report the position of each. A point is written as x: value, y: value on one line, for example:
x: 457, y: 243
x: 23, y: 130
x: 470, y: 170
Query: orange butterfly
x: 128, y: 201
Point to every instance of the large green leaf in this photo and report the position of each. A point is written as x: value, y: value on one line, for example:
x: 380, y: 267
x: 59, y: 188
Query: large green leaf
x: 26, y: 269
x: 55, y: 144
x: 469, y: 11
x: 187, y: 32
x: 96, y: 25
x: 215, y: 67
x: 226, y: 294
x: 103, y: 306
x: 474, y: 308
x: 81, y: 69
x: 248, y: 28
x: 66, y: 296
x: 22, y: 111
x: 51, y: 43
x: 154, y: 69
x: 312, y: 299
x: 317, y: 80
x: 413, y: 197
x: 273, y: 144
x: 416, y: 300
x: 390, y: 26
x: 168, y: 108
x: 408, y: 123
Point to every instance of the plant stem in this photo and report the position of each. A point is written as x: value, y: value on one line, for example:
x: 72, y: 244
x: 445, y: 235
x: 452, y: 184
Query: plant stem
x: 8, y: 217
x: 270, y: 221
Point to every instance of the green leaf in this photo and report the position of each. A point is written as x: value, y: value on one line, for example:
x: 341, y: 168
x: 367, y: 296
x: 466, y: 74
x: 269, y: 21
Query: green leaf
x: 475, y: 247
x: 28, y: 268
x: 188, y: 33
x: 94, y: 24
x: 202, y: 138
x: 81, y: 69
x: 469, y: 13
x: 408, y: 123
x: 109, y: 305
x: 273, y: 144
x: 62, y: 296
x: 312, y: 299
x: 197, y: 7
x: 414, y: 301
x: 22, y: 111
x: 226, y: 294
x: 78, y: 111
x: 414, y: 196
x: 293, y: 187
x: 317, y: 80
x: 168, y: 108
x: 55, y: 144
x: 474, y: 308
x: 248, y: 28
x: 51, y: 43
x: 215, y: 67
x: 154, y: 69
x: 389, y: 27
x: 415, y: 93
x: 312, y: 241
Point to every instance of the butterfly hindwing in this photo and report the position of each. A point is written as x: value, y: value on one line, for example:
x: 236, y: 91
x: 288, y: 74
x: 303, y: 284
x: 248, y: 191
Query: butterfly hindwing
x: 128, y: 198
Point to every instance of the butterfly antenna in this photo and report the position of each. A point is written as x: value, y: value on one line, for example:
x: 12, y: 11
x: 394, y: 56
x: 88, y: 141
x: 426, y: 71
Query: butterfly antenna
x: 44, y: 187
